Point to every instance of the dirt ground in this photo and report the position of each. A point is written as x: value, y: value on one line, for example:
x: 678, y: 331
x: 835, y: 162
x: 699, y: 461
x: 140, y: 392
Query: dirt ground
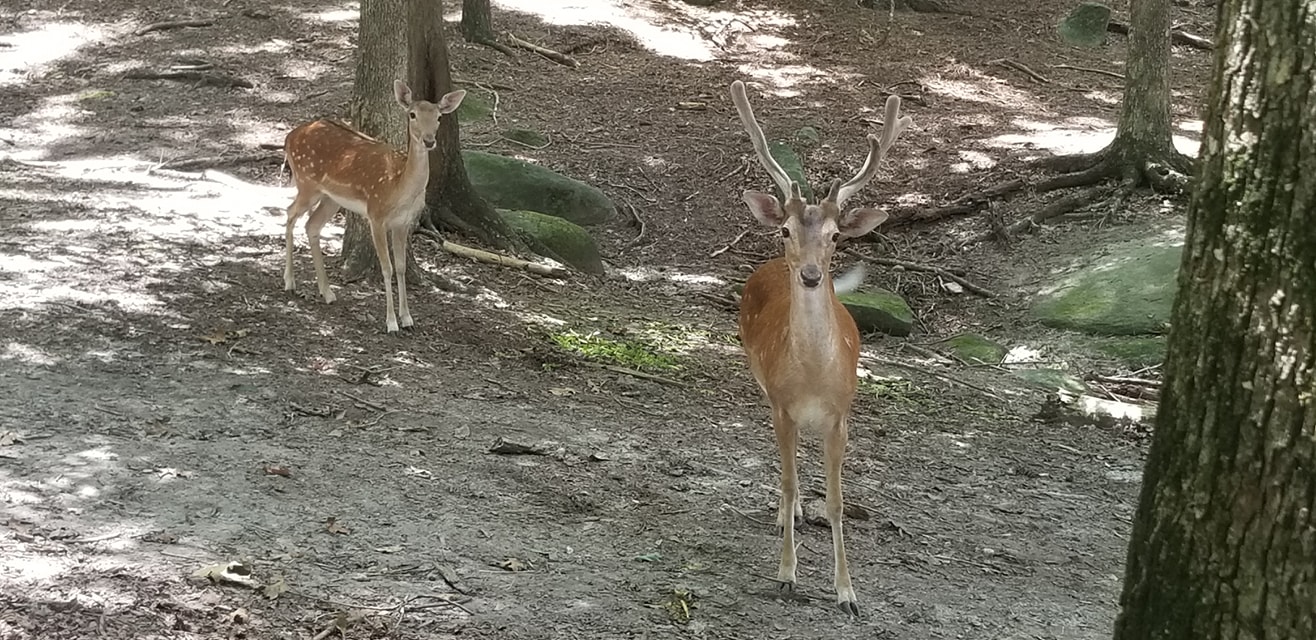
x: 169, y: 408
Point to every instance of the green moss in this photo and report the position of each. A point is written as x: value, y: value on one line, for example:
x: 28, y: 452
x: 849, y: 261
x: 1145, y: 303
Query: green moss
x: 1129, y: 291
x: 627, y: 353
x: 1130, y: 351
x: 508, y: 183
x: 1050, y: 379
x: 787, y: 158
x: 879, y: 310
x: 975, y: 349
x: 556, y: 238
x: 474, y: 107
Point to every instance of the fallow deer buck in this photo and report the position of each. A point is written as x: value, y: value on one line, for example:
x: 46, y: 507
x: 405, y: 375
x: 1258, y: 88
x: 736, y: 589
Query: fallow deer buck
x: 802, y: 344
x: 334, y: 165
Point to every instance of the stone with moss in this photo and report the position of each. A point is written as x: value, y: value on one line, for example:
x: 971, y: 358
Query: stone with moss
x: 1051, y: 379
x: 807, y: 136
x: 556, y: 238
x: 527, y: 137
x: 1127, y: 290
x: 1085, y: 26
x: 508, y: 183
x: 474, y: 107
x: 879, y: 310
x: 975, y: 349
x: 1134, y: 352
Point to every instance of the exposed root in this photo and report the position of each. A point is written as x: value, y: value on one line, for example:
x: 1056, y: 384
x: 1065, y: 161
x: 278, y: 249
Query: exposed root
x: 494, y: 44
x: 1056, y: 208
x: 1084, y: 178
x: 1069, y: 163
x: 555, y: 56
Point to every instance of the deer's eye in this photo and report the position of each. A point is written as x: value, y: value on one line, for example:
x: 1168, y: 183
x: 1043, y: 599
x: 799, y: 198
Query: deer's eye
x: 412, y: 114
x: 836, y: 237
x: 785, y: 232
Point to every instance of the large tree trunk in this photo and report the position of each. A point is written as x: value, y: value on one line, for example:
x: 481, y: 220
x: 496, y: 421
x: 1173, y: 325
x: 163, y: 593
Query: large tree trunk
x: 453, y: 203
x: 381, y: 59
x: 1224, y: 542
x: 477, y: 21
x: 1143, y: 150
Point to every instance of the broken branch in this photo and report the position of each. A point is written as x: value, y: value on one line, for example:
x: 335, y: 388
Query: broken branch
x: 173, y: 24
x: 560, y: 58
x: 926, y: 268
x: 1056, y: 208
x: 1019, y: 66
x: 493, y: 258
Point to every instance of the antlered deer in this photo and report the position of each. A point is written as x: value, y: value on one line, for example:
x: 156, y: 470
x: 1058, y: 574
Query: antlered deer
x: 334, y: 165
x: 802, y: 344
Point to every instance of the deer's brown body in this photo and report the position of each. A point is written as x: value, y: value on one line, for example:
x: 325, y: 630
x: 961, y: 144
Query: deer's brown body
x: 801, y: 343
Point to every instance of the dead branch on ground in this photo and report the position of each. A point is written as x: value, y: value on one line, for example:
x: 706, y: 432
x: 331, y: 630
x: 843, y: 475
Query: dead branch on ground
x: 201, y: 78
x: 206, y: 162
x: 492, y: 258
x: 1056, y: 208
x: 1177, y: 36
x: 727, y: 247
x: 1088, y: 70
x: 1023, y: 68
x: 635, y: 214
x: 560, y: 58
x: 963, y: 205
x: 487, y: 86
x: 173, y: 24
x: 494, y: 44
x: 926, y: 268
x: 632, y: 372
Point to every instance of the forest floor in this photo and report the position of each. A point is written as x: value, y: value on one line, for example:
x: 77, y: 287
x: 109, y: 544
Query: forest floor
x: 171, y: 409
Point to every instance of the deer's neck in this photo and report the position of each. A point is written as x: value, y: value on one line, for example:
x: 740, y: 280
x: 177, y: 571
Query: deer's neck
x: 813, y: 318
x: 416, y: 171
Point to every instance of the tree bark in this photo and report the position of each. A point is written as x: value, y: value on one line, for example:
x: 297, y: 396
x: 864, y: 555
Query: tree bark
x: 477, y: 21
x: 381, y: 58
x: 453, y: 202
x: 1224, y: 541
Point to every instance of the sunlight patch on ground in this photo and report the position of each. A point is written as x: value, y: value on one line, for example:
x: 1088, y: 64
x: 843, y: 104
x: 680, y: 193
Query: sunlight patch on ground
x: 648, y: 274
x: 1073, y: 135
x: 964, y: 83
x: 31, y: 52
x: 27, y: 354
x: 972, y: 161
x: 346, y: 13
x: 671, y: 29
x: 784, y: 80
x: 46, y: 125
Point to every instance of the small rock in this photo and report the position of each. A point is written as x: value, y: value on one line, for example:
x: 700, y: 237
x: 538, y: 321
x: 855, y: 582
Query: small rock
x: 879, y: 310
x: 1085, y: 26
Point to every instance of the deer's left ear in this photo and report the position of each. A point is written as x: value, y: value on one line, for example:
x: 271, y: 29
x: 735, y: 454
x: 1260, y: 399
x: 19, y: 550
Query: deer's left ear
x: 857, y: 222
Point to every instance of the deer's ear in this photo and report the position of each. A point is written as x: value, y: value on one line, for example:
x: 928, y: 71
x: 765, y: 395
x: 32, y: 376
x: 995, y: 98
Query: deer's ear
x: 451, y: 100
x: 857, y: 222
x: 402, y: 93
x: 765, y: 207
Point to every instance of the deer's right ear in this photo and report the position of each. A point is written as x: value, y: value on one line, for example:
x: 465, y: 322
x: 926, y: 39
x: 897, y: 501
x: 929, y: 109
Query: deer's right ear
x: 402, y: 93
x: 765, y: 207
x: 451, y: 100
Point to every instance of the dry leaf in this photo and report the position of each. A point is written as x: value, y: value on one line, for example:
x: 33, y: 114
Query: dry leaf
x: 232, y: 572
x: 277, y: 470
x: 562, y: 391
x: 332, y: 526
x: 275, y: 588
x: 240, y: 616
x: 515, y: 564
x: 9, y: 438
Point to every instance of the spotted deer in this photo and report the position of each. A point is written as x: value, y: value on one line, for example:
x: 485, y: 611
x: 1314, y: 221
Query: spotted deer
x: 334, y: 165
x: 801, y: 343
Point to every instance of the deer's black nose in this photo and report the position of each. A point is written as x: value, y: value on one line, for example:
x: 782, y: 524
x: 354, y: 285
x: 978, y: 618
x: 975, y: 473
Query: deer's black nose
x: 810, y: 275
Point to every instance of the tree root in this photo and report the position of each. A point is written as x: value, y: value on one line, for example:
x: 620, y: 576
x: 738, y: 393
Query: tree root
x: 1177, y: 36
x: 1166, y: 171
x: 560, y: 58
x: 1056, y: 208
x: 964, y: 205
x: 493, y: 43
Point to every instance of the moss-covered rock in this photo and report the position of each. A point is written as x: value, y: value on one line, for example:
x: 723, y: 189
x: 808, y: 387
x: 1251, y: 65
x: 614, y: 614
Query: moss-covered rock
x: 1131, y: 351
x: 508, y: 183
x: 879, y: 310
x: 556, y: 238
x: 1085, y: 26
x: 528, y: 137
x: 790, y: 161
x: 975, y: 349
x: 1129, y: 290
x: 807, y: 136
x: 1051, y: 379
x: 474, y: 107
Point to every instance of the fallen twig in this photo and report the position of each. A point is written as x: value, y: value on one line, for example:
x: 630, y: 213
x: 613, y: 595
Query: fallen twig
x: 963, y: 205
x: 1142, y: 382
x: 368, y: 404
x: 493, y: 258
x: 1057, y: 207
x: 494, y: 44
x: 926, y: 268
x: 215, y: 161
x: 728, y: 246
x: 635, y: 214
x: 1089, y: 70
x: 560, y: 58
x: 1019, y: 66
x: 1177, y: 36
x: 173, y: 24
x: 936, y: 374
x: 488, y: 86
x: 632, y: 372
x: 202, y: 78
x: 508, y: 448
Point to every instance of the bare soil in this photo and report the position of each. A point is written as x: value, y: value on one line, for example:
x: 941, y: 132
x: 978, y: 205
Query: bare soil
x: 168, y: 407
